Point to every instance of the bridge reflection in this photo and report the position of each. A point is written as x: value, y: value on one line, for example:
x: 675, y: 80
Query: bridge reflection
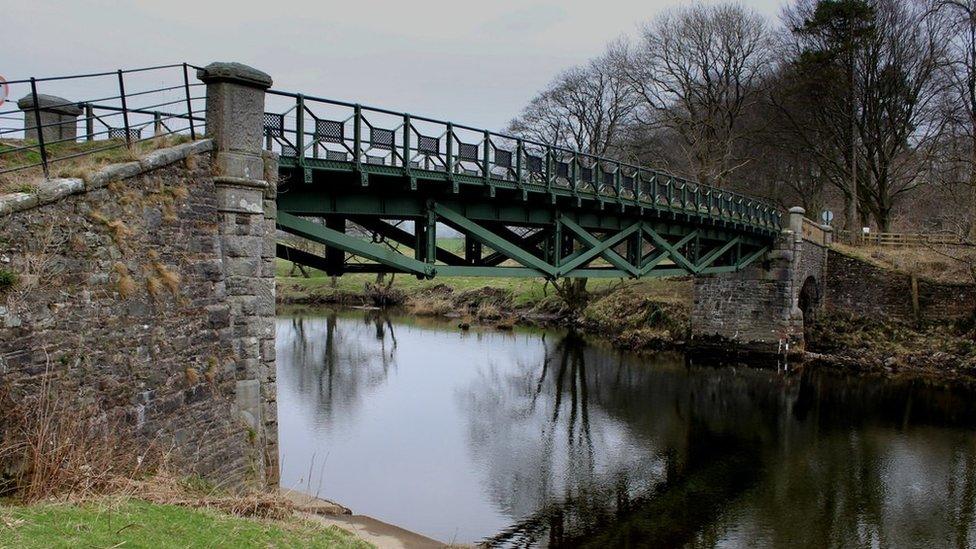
x: 580, y: 445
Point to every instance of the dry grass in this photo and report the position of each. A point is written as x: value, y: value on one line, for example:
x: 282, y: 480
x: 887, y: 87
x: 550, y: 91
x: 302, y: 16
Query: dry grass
x: 950, y: 264
x: 167, y: 489
x: 82, y: 167
x: 50, y: 446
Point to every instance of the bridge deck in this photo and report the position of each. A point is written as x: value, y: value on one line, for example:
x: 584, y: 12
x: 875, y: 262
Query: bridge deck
x: 539, y: 210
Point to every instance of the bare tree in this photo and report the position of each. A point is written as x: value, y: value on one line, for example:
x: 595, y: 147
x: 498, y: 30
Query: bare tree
x: 695, y: 71
x: 817, y: 97
x: 898, y: 91
x: 585, y: 108
x: 960, y: 101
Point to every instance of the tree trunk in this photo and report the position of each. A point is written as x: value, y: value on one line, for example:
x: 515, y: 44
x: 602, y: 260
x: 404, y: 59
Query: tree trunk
x: 573, y: 292
x: 972, y: 185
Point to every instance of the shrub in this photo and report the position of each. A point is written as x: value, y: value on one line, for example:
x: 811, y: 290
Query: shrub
x: 8, y: 279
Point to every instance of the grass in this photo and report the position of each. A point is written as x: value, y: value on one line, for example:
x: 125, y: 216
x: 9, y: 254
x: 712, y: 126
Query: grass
x: 81, y: 167
x: 525, y: 292
x: 938, y: 263
x: 136, y: 523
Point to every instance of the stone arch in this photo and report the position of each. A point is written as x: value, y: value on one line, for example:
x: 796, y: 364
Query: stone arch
x: 809, y: 301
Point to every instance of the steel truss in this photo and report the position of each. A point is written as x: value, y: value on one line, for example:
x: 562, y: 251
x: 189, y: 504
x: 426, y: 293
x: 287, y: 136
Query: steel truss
x: 559, y: 248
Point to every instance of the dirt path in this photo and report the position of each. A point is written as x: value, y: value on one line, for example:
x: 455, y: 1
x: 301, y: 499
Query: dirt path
x: 380, y: 534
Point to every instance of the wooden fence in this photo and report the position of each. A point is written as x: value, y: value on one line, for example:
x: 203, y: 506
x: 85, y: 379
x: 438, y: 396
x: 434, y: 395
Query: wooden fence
x: 902, y: 239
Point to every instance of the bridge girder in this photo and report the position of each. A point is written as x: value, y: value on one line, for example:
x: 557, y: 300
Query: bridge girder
x: 508, y: 229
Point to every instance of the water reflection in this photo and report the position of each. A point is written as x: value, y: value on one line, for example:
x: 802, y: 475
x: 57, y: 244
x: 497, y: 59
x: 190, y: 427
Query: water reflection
x: 543, y: 439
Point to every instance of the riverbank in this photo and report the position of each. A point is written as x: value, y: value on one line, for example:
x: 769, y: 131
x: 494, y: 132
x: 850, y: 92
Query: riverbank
x: 647, y: 315
x: 133, y: 522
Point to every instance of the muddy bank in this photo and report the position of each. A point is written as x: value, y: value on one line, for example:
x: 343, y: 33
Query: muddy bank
x: 651, y: 316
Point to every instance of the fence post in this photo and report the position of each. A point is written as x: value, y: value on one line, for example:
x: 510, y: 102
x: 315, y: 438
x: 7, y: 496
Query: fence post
x: 89, y: 122
x: 246, y: 227
x: 125, y: 110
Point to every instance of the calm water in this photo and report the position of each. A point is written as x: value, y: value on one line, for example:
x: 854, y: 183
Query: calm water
x: 538, y: 438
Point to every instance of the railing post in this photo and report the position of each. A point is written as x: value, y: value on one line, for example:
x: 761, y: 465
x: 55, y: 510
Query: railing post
x: 519, y: 146
x: 157, y: 124
x: 300, y: 128
x: 189, y: 104
x: 39, y: 126
x: 125, y: 110
x: 406, y: 143
x: 357, y: 136
x: 89, y: 122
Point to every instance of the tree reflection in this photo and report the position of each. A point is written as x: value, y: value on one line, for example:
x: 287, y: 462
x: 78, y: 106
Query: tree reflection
x: 580, y: 445
x: 329, y: 362
x: 674, y: 450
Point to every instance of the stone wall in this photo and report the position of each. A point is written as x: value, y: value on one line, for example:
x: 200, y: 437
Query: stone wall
x: 135, y: 289
x: 751, y: 310
x: 758, y: 309
x: 856, y: 286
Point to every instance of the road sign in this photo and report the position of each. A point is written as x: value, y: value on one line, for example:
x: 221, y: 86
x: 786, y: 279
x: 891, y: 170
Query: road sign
x: 827, y: 216
x: 4, y: 89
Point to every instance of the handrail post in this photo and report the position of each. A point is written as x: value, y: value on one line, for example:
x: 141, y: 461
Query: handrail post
x: 125, y: 110
x: 487, y: 160
x: 519, y: 146
x: 40, y: 129
x: 616, y: 181
x: 89, y: 122
x: 300, y: 128
x: 449, y: 164
x: 357, y: 136
x: 189, y: 103
x: 406, y: 143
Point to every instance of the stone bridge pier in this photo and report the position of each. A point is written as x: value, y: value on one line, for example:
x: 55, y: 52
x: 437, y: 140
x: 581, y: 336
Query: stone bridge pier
x: 767, y: 307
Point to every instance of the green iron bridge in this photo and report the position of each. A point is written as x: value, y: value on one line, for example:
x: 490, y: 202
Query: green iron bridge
x: 384, y: 181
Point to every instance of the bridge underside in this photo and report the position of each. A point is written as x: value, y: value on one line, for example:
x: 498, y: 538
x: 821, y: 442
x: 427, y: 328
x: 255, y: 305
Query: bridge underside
x: 376, y: 219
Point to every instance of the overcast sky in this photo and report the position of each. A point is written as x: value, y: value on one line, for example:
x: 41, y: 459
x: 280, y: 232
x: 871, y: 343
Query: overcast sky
x: 475, y: 62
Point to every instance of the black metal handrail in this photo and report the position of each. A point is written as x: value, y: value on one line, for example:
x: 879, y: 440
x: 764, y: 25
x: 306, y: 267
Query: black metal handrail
x: 167, y: 106
x: 299, y: 131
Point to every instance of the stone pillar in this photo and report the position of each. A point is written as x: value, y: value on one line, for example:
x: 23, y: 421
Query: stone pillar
x: 796, y: 221
x: 59, y: 117
x: 246, y: 201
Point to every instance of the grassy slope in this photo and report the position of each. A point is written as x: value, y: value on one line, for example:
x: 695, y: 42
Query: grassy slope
x: 81, y: 166
x: 134, y: 523
x: 940, y: 264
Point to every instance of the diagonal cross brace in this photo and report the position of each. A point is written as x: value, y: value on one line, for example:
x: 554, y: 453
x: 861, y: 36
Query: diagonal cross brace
x: 493, y: 241
x: 672, y: 250
x: 351, y: 244
x: 712, y: 256
x: 647, y: 267
x: 597, y: 247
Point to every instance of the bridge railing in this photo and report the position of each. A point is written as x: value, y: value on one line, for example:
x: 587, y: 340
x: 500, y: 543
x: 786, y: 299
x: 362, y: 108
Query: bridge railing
x: 123, y: 108
x: 361, y: 137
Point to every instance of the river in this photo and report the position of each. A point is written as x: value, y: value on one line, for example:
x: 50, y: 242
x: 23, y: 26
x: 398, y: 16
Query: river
x: 542, y: 438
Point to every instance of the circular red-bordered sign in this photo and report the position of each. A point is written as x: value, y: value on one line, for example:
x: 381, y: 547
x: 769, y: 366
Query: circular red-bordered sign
x: 4, y: 90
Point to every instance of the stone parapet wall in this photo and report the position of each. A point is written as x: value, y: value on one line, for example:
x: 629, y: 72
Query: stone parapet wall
x: 860, y: 288
x: 146, y: 298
